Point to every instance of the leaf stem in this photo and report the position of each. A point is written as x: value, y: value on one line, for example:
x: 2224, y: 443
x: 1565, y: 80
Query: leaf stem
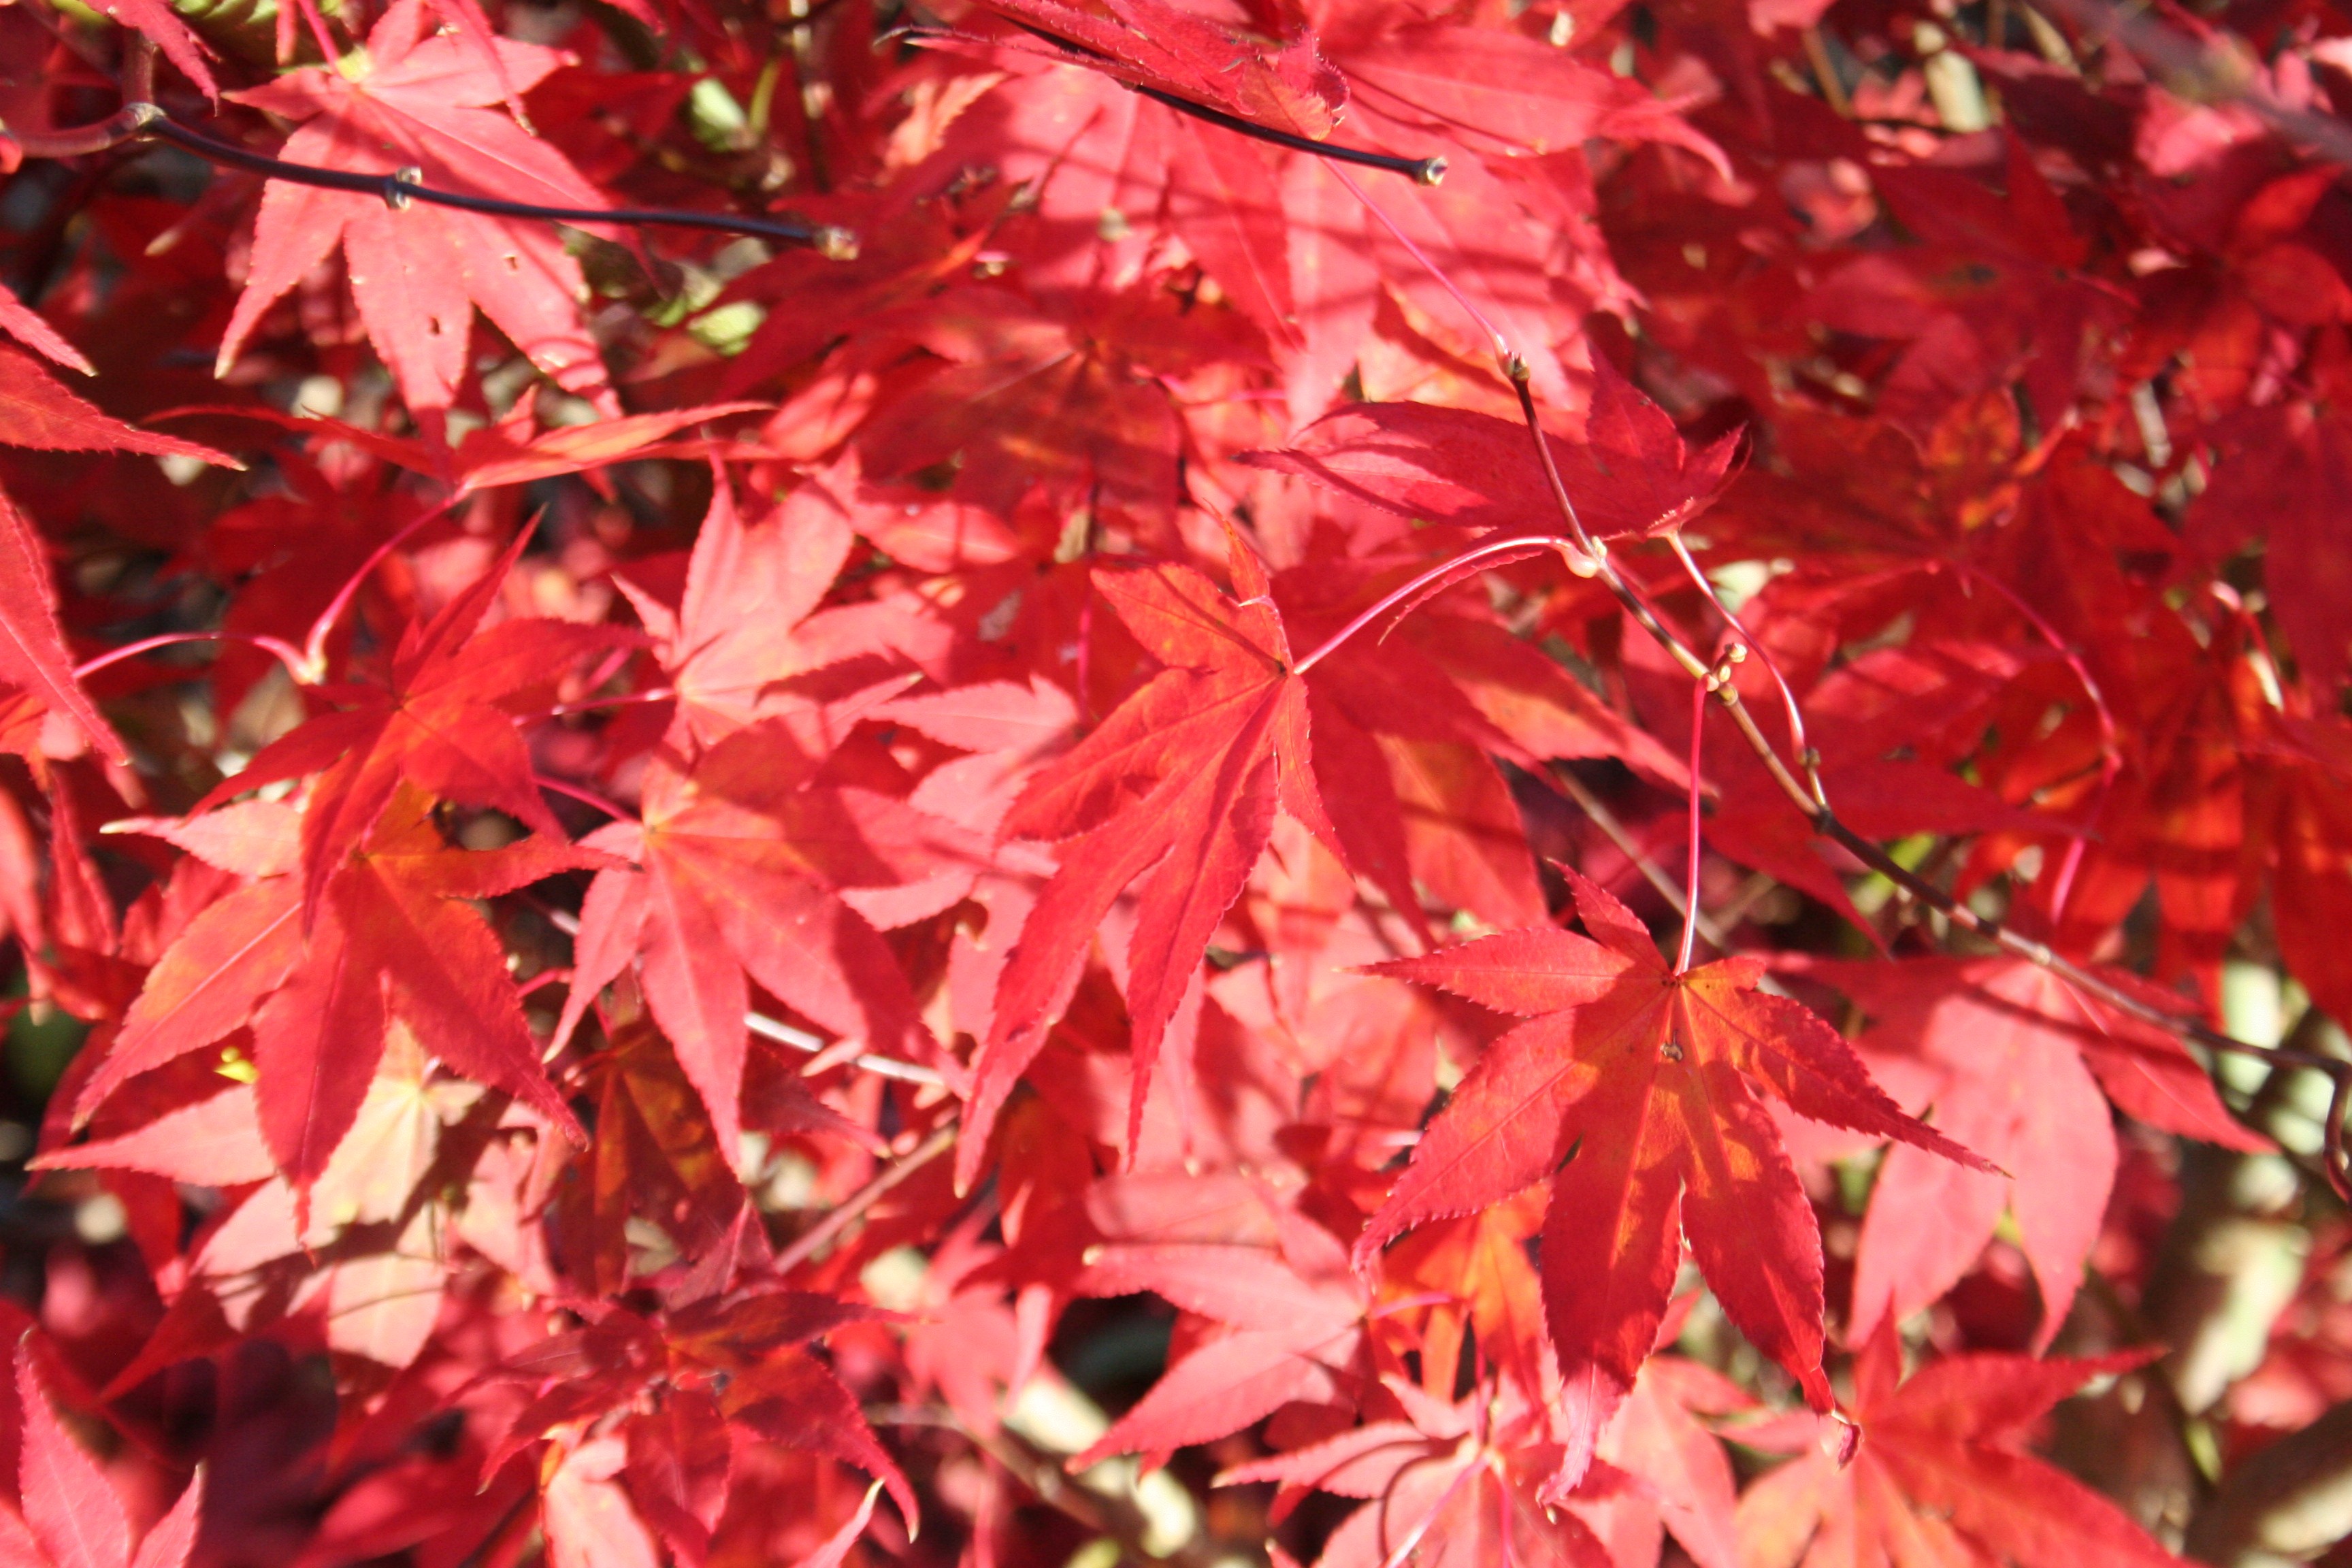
x: 1690, y: 898
x: 1806, y: 757
x: 286, y: 653
x: 584, y: 797
x: 1495, y: 339
x: 314, y: 649
x: 847, y: 1212
x: 1713, y: 927
x: 2336, y: 1161
x: 1518, y: 548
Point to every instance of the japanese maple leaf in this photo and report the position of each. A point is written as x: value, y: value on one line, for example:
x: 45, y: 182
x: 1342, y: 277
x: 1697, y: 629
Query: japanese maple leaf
x: 1162, y: 47
x: 656, y: 1156
x: 1629, y: 475
x: 29, y: 327
x: 72, y: 1517
x: 688, y: 1388
x: 33, y: 653
x: 180, y: 43
x: 1941, y: 1476
x: 1451, y: 1484
x: 2012, y: 1059
x: 437, y: 727
x: 747, y: 868
x: 408, y: 101
x: 1294, y: 1316
x: 749, y: 641
x: 394, y: 938
x: 1634, y: 1089
x: 37, y: 412
x: 2286, y: 473
x: 1075, y: 394
x: 1177, y: 788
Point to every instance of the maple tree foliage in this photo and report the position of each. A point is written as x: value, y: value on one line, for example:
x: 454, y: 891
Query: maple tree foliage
x: 1050, y: 782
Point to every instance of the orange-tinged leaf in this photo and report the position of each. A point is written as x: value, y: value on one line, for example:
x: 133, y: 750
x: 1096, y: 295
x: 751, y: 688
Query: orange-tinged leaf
x: 1941, y: 1476
x: 1637, y: 1097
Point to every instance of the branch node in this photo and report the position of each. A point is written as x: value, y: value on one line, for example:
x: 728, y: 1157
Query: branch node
x: 834, y: 243
x: 400, y: 187
x: 1429, y: 172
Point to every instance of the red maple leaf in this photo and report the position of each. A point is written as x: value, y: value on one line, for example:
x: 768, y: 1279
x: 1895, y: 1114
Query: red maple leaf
x: 394, y: 938
x: 1630, y: 475
x: 1292, y: 1313
x: 1454, y: 1484
x: 747, y: 867
x: 689, y: 1389
x: 1634, y: 1089
x: 1179, y: 788
x: 749, y: 641
x: 437, y: 727
x: 1941, y: 1474
x: 407, y: 101
x: 2012, y: 1060
x: 1152, y: 44
x: 72, y: 1516
x: 2284, y: 468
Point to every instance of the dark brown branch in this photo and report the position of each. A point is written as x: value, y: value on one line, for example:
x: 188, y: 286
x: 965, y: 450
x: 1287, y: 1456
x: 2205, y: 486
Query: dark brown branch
x: 401, y: 186
x: 1420, y: 171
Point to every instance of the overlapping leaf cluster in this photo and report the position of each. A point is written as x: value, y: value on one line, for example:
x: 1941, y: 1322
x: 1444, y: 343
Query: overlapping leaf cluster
x: 1015, y: 899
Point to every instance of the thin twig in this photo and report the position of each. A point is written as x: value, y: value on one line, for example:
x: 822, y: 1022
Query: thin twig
x: 1593, y: 806
x: 1825, y: 822
x: 847, y: 1212
x: 801, y: 1041
x: 1806, y: 756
